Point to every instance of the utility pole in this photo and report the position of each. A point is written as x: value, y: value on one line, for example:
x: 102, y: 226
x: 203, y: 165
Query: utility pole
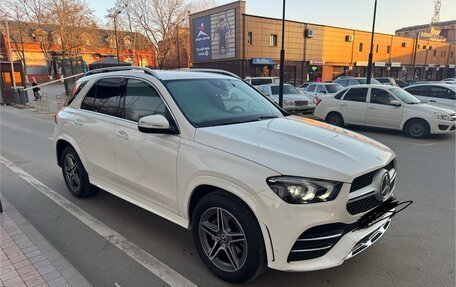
x: 113, y: 15
x: 177, y: 40
x: 369, y: 65
x: 11, y: 56
x: 282, y: 58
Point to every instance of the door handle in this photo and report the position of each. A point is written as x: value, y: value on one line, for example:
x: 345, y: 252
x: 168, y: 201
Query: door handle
x: 343, y: 105
x: 371, y: 107
x: 122, y: 135
x: 432, y: 101
x: 78, y: 122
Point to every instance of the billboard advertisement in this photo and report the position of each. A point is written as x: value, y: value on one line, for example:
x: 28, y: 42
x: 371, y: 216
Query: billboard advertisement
x: 215, y: 36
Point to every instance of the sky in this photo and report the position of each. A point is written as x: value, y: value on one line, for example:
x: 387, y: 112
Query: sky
x: 355, y: 14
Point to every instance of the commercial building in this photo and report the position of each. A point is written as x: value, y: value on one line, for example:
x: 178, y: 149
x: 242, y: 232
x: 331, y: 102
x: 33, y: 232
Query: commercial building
x: 446, y: 30
x: 225, y: 37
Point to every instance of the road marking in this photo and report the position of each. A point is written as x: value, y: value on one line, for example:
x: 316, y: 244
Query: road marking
x: 158, y: 268
x: 116, y: 284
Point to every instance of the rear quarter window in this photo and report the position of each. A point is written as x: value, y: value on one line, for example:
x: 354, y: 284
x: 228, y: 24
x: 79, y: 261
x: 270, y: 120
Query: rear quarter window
x: 77, y: 87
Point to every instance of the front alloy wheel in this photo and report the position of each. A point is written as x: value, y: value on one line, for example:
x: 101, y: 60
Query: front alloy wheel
x: 223, y: 239
x: 71, y: 172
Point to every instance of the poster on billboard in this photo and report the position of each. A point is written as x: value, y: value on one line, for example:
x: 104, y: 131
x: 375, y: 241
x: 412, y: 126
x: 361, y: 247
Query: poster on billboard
x: 202, y: 35
x: 215, y: 36
x: 223, y: 28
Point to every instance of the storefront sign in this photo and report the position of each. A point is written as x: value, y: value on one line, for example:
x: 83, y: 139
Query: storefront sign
x: 361, y: 64
x: 442, y: 66
x: 380, y: 64
x: 452, y: 66
x: 395, y: 64
x: 433, y: 37
x: 262, y: 61
x: 431, y: 66
x: 316, y: 63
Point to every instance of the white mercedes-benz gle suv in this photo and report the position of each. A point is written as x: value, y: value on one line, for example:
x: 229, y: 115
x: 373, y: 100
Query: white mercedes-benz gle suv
x: 258, y: 188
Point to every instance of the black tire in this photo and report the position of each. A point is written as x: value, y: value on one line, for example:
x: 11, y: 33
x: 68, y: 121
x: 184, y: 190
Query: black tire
x: 417, y: 128
x: 251, y: 250
x: 75, y: 176
x: 335, y: 119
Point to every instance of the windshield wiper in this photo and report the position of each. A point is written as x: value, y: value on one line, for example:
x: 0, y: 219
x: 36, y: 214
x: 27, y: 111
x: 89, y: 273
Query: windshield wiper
x: 267, y: 117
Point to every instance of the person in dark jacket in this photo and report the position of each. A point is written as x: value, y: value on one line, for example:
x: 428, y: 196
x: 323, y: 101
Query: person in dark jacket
x: 36, y: 91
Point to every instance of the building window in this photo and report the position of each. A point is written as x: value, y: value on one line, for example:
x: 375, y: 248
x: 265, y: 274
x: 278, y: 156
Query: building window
x: 249, y: 38
x: 376, y: 49
x: 451, y: 54
x: 444, y: 54
x: 388, y: 49
x: 273, y: 40
x: 435, y: 53
x: 127, y: 42
x: 360, y: 47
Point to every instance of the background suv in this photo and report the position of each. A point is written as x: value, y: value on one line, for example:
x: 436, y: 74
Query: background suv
x: 350, y: 81
x: 212, y: 154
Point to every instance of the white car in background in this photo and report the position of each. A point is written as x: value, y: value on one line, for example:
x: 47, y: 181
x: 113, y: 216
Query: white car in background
x: 320, y: 90
x: 437, y: 94
x: 386, y: 107
x: 293, y: 100
x: 258, y: 81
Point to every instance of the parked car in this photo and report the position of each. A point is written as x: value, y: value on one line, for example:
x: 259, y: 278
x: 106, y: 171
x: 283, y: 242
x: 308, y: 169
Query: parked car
x: 402, y: 83
x: 438, y: 94
x: 303, y: 86
x: 293, y: 100
x: 385, y: 107
x: 451, y: 81
x: 257, y: 81
x: 350, y: 81
x: 387, y: 81
x: 320, y: 90
x: 208, y: 152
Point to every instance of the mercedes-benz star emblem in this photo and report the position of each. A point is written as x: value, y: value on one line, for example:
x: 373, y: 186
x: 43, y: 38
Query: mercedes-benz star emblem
x: 385, y: 187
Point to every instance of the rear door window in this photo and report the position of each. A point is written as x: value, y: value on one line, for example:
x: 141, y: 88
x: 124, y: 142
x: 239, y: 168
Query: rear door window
x: 356, y: 95
x: 311, y: 88
x: 442, y: 93
x: 419, y: 91
x: 321, y: 89
x: 104, y: 97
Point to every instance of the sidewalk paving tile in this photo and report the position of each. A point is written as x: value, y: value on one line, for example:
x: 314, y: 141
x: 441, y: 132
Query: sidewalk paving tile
x: 22, y: 263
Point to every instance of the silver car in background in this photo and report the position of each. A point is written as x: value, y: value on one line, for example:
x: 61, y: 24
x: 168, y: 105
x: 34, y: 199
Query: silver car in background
x: 293, y: 100
x: 318, y: 91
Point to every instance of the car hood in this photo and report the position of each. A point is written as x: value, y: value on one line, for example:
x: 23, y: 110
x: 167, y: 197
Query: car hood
x: 300, y: 147
x: 430, y: 108
x: 293, y: 97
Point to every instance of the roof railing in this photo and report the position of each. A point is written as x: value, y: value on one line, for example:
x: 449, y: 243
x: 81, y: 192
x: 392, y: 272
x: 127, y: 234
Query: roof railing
x: 148, y: 71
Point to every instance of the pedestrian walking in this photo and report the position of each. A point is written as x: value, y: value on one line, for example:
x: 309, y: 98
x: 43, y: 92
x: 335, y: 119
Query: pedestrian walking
x: 36, y: 90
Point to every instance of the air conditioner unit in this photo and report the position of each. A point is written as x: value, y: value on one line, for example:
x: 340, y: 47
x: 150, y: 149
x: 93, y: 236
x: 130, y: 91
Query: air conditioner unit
x: 405, y: 45
x: 349, y: 38
x: 308, y: 33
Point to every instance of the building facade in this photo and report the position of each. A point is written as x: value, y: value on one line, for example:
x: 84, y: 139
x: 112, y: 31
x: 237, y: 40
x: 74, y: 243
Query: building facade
x: 446, y: 30
x: 225, y: 37
x: 40, y: 48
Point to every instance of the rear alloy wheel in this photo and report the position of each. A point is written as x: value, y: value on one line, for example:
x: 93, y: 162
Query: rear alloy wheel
x: 228, y: 237
x: 335, y: 119
x: 417, y: 128
x: 75, y: 175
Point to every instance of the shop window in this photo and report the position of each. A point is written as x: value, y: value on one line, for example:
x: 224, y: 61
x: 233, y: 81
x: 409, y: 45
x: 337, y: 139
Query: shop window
x: 360, y: 47
x: 451, y: 55
x: 273, y: 40
x: 435, y: 53
x: 388, y: 49
x: 249, y: 38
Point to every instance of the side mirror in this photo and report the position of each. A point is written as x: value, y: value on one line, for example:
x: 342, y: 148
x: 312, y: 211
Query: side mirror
x: 395, y: 103
x: 155, y: 124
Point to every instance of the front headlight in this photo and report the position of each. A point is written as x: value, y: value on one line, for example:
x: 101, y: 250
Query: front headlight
x: 445, y: 117
x: 298, y: 190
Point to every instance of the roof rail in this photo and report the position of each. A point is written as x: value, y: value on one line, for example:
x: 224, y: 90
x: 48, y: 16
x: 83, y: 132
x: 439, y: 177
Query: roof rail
x: 214, y: 71
x: 122, y: 68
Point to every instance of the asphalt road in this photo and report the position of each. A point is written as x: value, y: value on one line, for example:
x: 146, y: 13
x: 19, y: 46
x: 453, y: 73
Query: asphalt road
x: 417, y: 250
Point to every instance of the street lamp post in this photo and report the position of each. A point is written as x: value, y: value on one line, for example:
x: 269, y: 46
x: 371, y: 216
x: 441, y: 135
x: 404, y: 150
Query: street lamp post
x: 369, y: 66
x: 177, y: 40
x: 114, y: 15
x: 282, y: 58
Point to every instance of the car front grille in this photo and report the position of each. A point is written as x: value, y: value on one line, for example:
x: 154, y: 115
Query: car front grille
x: 362, y: 181
x: 301, y: 103
x: 363, y: 205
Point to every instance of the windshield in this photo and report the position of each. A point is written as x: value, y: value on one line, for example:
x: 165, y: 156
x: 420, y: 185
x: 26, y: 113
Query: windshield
x: 287, y: 90
x: 333, y: 88
x: 364, y: 81
x: 213, y: 102
x: 404, y: 96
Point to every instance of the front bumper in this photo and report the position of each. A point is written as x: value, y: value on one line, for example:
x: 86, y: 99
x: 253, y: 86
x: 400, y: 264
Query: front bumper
x: 443, y: 127
x: 286, y: 223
